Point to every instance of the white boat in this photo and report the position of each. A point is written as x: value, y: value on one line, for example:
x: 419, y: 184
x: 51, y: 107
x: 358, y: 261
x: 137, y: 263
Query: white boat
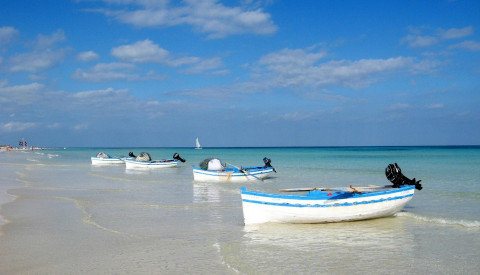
x: 197, y: 144
x: 229, y: 172
x: 105, y: 159
x: 166, y: 163
x: 322, y: 205
x: 325, y: 205
x: 144, y: 161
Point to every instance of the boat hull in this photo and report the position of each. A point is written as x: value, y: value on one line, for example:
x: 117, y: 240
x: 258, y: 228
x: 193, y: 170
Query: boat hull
x: 107, y: 161
x: 154, y: 164
x: 233, y: 175
x: 323, y: 206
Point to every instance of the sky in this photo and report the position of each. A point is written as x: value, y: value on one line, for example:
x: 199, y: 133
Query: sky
x: 247, y: 73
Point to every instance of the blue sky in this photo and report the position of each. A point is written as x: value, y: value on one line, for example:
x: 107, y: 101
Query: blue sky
x: 239, y: 73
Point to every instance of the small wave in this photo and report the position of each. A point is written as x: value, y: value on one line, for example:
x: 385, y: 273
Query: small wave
x: 32, y: 160
x: 88, y: 218
x: 219, y: 250
x: 465, y: 223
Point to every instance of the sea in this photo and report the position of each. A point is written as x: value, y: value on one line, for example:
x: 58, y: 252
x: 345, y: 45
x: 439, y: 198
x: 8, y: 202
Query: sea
x: 59, y: 214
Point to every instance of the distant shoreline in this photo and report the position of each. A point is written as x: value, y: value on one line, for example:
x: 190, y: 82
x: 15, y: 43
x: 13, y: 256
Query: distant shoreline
x: 10, y: 148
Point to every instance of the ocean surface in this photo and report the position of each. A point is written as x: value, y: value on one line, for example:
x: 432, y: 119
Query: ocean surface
x: 61, y: 215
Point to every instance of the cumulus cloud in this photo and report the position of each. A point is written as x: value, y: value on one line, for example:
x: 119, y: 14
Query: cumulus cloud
x: 48, y: 41
x: 204, y: 65
x: 148, y: 52
x: 87, y: 56
x: 399, y: 107
x: 104, y: 72
x: 45, y: 54
x: 416, y: 38
x: 141, y: 52
x: 455, y: 33
x: 15, y: 126
x: 435, y: 106
x: 468, y: 45
x: 106, y: 93
x: 21, y: 94
x: 294, y: 68
x: 206, y: 16
x: 80, y: 127
x: 7, y: 35
x: 37, y: 60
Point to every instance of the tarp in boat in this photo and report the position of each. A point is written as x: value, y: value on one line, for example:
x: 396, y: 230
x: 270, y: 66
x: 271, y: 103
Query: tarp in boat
x: 103, y: 155
x: 143, y: 156
x: 212, y: 164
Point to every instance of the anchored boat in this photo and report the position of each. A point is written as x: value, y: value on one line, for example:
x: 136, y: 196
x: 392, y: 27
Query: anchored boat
x: 145, y: 161
x: 322, y: 205
x: 105, y: 159
x: 213, y: 170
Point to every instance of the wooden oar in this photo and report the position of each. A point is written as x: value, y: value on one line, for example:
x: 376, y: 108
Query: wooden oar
x: 244, y: 171
x: 345, y: 189
x: 305, y: 189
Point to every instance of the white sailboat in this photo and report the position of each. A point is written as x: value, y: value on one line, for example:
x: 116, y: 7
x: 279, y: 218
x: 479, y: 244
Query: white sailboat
x: 197, y: 144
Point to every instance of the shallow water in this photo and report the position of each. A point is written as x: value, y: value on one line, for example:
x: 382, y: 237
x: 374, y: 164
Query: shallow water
x: 63, y: 215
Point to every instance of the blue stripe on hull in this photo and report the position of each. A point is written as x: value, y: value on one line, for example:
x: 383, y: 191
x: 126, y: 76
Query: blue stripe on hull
x: 328, y: 205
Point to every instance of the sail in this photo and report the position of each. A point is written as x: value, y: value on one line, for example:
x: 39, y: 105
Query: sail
x: 197, y: 144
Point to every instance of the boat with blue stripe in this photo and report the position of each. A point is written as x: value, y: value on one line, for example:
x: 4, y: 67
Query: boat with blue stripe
x: 323, y: 205
x: 144, y: 161
x: 213, y: 170
x: 106, y: 159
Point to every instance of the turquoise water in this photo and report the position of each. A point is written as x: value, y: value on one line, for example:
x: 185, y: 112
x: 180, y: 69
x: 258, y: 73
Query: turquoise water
x: 63, y: 215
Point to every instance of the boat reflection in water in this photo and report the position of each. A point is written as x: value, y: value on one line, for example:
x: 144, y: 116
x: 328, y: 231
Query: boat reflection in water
x: 341, y: 248
x: 379, y: 233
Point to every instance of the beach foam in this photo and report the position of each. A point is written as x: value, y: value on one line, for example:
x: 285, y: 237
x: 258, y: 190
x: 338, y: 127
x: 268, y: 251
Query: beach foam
x: 442, y: 221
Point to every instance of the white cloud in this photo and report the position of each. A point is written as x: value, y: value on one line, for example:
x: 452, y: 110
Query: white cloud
x: 87, y: 56
x: 295, y: 68
x: 455, y: 33
x: 15, y: 126
x: 54, y: 125
x: 297, y: 116
x: 468, y: 45
x: 48, y: 41
x: 141, y: 52
x: 80, y: 127
x: 435, y: 106
x: 204, y: 65
x: 399, y: 107
x: 109, y: 92
x: 103, y: 72
x: 21, y: 94
x: 148, y: 52
x: 417, y: 39
x: 37, y: 60
x: 45, y: 55
x: 206, y: 16
x: 7, y: 35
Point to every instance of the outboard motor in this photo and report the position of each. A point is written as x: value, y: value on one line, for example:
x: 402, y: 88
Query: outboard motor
x: 131, y: 155
x: 177, y: 156
x: 268, y: 162
x: 395, y: 176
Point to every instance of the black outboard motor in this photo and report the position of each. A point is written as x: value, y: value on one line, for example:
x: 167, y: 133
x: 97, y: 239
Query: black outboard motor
x: 395, y: 176
x: 131, y: 155
x: 177, y: 156
x: 268, y: 162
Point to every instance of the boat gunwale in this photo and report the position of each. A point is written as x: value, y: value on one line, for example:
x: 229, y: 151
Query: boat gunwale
x: 324, y: 195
